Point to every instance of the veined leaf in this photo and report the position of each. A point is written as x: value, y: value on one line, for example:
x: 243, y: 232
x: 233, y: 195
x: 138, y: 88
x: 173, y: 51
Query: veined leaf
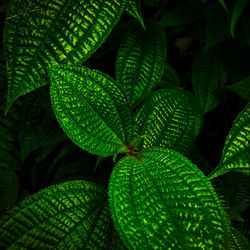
x: 163, y: 201
x: 241, y: 88
x: 134, y: 9
x: 91, y: 109
x: 208, y: 80
x: 42, y: 33
x: 72, y: 215
x: 238, y: 241
x: 140, y: 61
x: 170, y: 78
x: 168, y: 120
x: 236, y: 152
x: 237, y: 10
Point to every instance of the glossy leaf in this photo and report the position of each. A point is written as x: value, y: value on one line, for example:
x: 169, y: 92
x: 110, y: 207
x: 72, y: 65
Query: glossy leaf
x: 134, y: 9
x: 238, y: 8
x: 140, y: 61
x: 168, y: 120
x: 162, y: 201
x: 208, y: 80
x: 238, y: 241
x: 72, y: 215
x: 170, y: 78
x: 91, y: 109
x: 236, y: 156
x: 42, y: 33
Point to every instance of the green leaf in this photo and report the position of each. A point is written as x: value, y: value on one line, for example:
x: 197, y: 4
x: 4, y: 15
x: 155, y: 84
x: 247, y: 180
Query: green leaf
x: 208, y: 80
x: 162, y: 201
x: 168, y: 120
x: 72, y: 215
x: 140, y: 61
x: 134, y: 9
x: 223, y: 4
x: 241, y: 88
x: 42, y: 33
x: 238, y: 241
x: 170, y: 78
x: 238, y: 8
x: 182, y: 14
x: 91, y: 109
x: 235, y: 156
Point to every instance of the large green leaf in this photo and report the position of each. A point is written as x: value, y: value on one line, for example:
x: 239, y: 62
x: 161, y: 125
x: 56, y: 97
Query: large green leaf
x: 42, y: 33
x: 140, y: 61
x: 238, y: 241
x: 91, y: 109
x: 236, y: 156
x: 208, y: 79
x: 160, y: 200
x: 72, y: 215
x: 167, y: 119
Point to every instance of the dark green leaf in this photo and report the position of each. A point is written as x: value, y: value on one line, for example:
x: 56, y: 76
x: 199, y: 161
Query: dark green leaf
x: 140, y: 61
x: 42, y: 33
x: 170, y: 78
x: 134, y: 9
x: 222, y: 2
x: 238, y: 241
x: 163, y: 201
x: 91, y: 109
x: 72, y: 215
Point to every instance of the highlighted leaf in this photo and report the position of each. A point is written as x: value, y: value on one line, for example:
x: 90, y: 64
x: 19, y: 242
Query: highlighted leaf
x: 170, y: 78
x: 72, y: 215
x: 42, y: 33
x: 167, y: 119
x: 91, y: 109
x: 134, y: 9
x: 140, y: 61
x: 208, y: 80
x: 162, y: 200
x: 236, y: 152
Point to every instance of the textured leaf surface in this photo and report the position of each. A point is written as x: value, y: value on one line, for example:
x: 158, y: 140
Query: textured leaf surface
x: 72, y: 215
x: 140, y: 61
x: 164, y: 201
x: 238, y: 241
x: 241, y: 88
x: 91, y: 109
x: 42, y: 33
x: 208, y: 79
x: 170, y: 78
x: 134, y: 9
x: 168, y: 120
x: 236, y: 152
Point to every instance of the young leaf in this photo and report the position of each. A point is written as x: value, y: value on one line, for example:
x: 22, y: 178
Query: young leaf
x: 91, y: 109
x: 42, y: 33
x: 238, y: 241
x: 72, y: 215
x: 168, y: 120
x: 163, y: 201
x: 134, y: 9
x: 237, y: 10
x: 241, y: 88
x: 236, y: 156
x: 208, y: 79
x: 140, y: 61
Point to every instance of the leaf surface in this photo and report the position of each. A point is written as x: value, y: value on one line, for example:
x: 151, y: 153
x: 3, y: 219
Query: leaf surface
x: 42, y: 33
x: 140, y: 61
x: 170, y: 78
x: 162, y: 200
x: 91, y: 109
x: 72, y: 215
x: 236, y: 152
x: 134, y: 9
x: 238, y: 241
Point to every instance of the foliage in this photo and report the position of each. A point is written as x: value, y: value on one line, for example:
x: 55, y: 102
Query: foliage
x: 124, y: 124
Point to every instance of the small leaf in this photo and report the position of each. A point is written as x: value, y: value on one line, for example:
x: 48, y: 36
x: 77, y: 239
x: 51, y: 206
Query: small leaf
x: 163, y: 201
x: 208, y: 80
x: 238, y: 8
x: 168, y: 120
x: 140, y: 61
x: 236, y: 156
x: 222, y: 2
x: 238, y: 241
x: 134, y: 9
x: 42, y: 33
x: 72, y: 215
x: 91, y: 109
x: 241, y: 88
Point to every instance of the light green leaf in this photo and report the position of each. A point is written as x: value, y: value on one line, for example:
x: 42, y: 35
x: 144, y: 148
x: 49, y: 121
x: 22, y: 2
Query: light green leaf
x: 168, y: 120
x: 160, y: 200
x: 140, y: 61
x: 134, y: 9
x: 222, y: 2
x: 241, y: 88
x: 91, y: 109
x: 239, y: 6
x: 72, y: 215
x: 42, y: 33
x: 236, y: 152
x: 238, y: 241
x: 208, y: 80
